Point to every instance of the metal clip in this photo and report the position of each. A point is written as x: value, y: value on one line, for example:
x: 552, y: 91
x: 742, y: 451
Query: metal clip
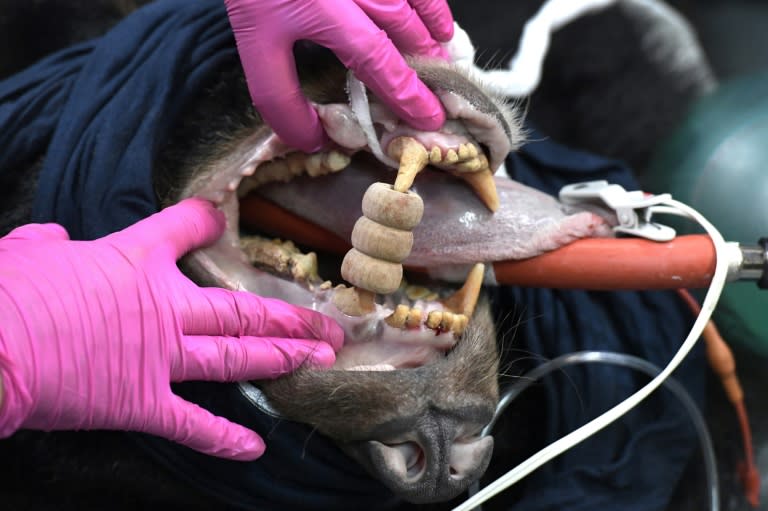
x: 633, y: 209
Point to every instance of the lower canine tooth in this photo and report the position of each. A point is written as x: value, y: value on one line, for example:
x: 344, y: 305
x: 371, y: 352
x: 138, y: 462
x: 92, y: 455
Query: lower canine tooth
x: 464, y: 300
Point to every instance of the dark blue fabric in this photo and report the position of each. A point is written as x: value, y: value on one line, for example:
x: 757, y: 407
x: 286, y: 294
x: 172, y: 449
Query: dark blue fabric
x: 102, y: 109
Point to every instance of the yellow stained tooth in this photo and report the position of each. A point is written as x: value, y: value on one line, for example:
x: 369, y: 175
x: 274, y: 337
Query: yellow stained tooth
x: 434, y: 318
x: 417, y: 292
x: 464, y: 152
x: 451, y: 157
x: 336, y: 161
x: 295, y: 163
x: 464, y: 300
x: 413, y: 157
x: 459, y: 324
x: 314, y: 164
x: 472, y: 165
x: 398, y: 317
x: 435, y: 155
x: 447, y: 320
x: 473, y: 150
x: 484, y: 186
x: 414, y: 318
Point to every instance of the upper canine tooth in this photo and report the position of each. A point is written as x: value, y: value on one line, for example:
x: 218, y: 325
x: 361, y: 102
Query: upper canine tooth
x: 464, y: 300
x: 483, y: 184
x: 413, y: 157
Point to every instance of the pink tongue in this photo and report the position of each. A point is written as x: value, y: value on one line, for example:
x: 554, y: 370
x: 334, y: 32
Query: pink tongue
x: 456, y: 227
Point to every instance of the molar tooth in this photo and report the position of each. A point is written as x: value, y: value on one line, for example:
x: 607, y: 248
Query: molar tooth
x: 464, y: 300
x: 460, y: 322
x: 473, y: 150
x: 336, y: 161
x: 446, y: 322
x: 434, y: 318
x: 413, y: 157
x: 435, y: 155
x: 464, y: 153
x: 416, y: 292
x: 414, y: 318
x: 398, y: 317
x: 451, y: 157
x: 314, y: 165
x: 295, y: 162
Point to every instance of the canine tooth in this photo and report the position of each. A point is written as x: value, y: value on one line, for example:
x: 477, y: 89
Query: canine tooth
x: 484, y: 186
x: 451, y: 157
x: 353, y: 301
x: 435, y: 155
x: 414, y: 318
x: 336, y: 161
x: 413, y: 157
x: 434, y: 318
x: 464, y: 300
x: 398, y: 317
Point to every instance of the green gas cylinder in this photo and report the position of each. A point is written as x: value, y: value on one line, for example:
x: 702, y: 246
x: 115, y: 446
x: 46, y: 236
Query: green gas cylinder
x: 717, y: 162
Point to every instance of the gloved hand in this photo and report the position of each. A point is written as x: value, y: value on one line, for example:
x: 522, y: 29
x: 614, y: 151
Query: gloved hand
x: 93, y: 332
x: 364, y: 34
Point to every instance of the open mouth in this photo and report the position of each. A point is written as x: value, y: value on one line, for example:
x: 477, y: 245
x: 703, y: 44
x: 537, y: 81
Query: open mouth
x: 442, y: 209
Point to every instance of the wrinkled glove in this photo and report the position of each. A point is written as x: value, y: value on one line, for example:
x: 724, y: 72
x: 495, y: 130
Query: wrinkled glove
x: 364, y: 34
x: 93, y: 332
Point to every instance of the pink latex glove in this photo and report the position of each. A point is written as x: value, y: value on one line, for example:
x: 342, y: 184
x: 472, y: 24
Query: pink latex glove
x: 364, y: 34
x: 93, y: 332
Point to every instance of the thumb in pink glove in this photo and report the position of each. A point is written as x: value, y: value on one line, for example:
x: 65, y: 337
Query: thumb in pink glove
x: 364, y: 34
x: 93, y: 332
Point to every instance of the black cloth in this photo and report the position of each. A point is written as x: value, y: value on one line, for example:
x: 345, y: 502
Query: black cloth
x: 100, y: 111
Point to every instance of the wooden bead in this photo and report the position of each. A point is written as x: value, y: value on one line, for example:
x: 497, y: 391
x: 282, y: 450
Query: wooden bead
x: 386, y: 206
x: 369, y: 273
x: 380, y: 241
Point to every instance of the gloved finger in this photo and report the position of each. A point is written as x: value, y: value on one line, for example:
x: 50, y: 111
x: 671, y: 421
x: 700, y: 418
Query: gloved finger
x: 39, y: 232
x: 368, y: 52
x: 214, y: 311
x: 403, y: 25
x: 279, y: 99
x: 190, y: 224
x: 437, y: 16
x: 220, y: 358
x: 197, y: 428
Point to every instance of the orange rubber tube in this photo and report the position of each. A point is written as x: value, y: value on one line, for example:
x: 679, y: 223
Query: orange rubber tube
x: 590, y: 263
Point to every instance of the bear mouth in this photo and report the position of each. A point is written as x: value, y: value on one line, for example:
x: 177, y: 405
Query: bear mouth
x: 469, y: 217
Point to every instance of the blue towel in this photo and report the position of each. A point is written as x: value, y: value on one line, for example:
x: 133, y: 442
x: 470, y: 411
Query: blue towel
x: 102, y: 109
